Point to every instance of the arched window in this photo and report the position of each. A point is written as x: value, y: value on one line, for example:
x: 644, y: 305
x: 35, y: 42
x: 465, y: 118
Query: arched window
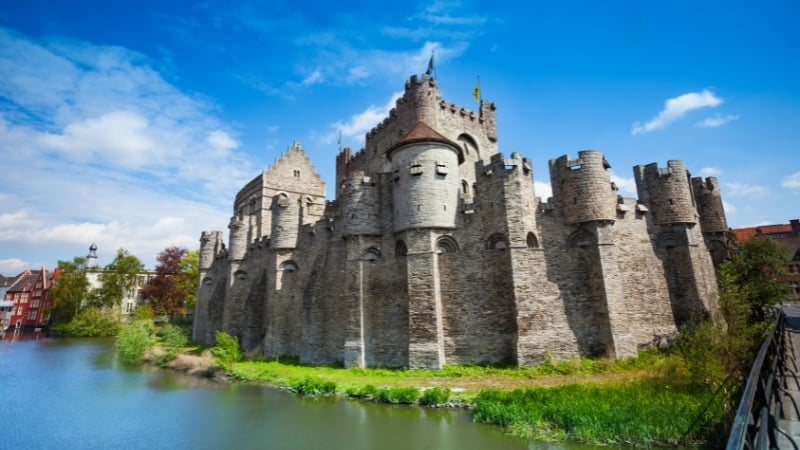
x: 532, y: 241
x: 446, y: 244
x: 497, y: 241
x: 208, y: 281
x: 371, y: 254
x: 289, y: 266
x: 400, y: 249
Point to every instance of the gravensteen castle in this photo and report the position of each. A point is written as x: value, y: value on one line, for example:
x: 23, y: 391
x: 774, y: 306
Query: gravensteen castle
x: 437, y: 251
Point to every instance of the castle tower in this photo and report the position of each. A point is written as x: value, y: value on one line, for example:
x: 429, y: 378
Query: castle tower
x: 712, y: 218
x: 583, y: 190
x: 285, y: 221
x: 360, y: 206
x: 709, y: 205
x: 425, y: 176
x: 666, y: 192
x: 679, y: 243
x: 583, y: 187
x: 210, y: 246
x: 238, y: 239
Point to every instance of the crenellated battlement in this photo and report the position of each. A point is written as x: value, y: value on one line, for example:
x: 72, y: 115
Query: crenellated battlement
x: 709, y: 205
x: 582, y: 187
x: 667, y: 192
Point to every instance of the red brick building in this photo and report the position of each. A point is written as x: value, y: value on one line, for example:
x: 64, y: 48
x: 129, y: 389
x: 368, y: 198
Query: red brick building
x: 788, y: 236
x: 30, y: 295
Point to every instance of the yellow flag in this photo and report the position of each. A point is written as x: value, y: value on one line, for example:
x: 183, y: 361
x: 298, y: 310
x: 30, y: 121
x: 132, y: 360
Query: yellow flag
x: 476, y: 93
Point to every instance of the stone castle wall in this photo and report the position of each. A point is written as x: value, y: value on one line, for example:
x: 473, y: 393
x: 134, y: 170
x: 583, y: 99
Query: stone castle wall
x: 437, y: 251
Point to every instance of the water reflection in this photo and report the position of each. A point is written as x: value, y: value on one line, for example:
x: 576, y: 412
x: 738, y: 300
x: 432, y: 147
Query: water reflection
x: 76, y: 391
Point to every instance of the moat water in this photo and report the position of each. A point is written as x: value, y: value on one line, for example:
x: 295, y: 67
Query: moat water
x: 73, y: 394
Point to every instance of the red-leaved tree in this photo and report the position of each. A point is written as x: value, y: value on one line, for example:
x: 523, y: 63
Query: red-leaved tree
x: 164, y: 292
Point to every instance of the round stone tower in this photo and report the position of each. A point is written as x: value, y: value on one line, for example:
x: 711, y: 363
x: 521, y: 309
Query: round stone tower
x: 584, y: 187
x: 709, y: 205
x: 360, y: 206
x: 426, y: 182
x: 238, y: 239
x: 285, y: 221
x: 423, y: 95
x: 667, y: 192
x: 209, y: 242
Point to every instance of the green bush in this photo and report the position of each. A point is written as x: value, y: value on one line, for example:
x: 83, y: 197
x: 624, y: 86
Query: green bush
x: 143, y: 312
x: 226, y: 351
x: 173, y: 339
x: 435, y: 396
x: 91, y: 322
x: 134, y: 340
x: 406, y: 395
x: 313, y: 386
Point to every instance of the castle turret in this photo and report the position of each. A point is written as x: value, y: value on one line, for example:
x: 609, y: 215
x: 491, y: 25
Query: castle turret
x: 666, y: 192
x: 360, y: 206
x: 285, y: 221
x: 238, y: 239
x: 709, y: 205
x: 210, y: 246
x: 583, y: 187
x: 426, y: 183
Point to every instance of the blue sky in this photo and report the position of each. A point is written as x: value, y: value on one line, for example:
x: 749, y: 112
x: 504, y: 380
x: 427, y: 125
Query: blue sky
x: 133, y: 124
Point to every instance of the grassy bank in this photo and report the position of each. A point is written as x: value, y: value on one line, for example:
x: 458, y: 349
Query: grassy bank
x: 643, y: 401
x: 640, y: 401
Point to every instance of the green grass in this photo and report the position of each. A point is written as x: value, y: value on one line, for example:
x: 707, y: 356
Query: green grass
x: 639, y: 412
x: 593, y: 400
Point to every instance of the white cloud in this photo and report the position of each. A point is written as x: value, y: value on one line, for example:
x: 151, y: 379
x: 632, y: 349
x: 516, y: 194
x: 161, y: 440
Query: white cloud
x: 362, y: 122
x: 744, y: 190
x: 716, y: 120
x: 728, y: 207
x: 117, y: 137
x: 710, y: 172
x: 315, y: 77
x: 543, y: 190
x: 791, y: 181
x: 106, y: 150
x: 675, y: 108
x: 13, y: 266
x: 625, y: 185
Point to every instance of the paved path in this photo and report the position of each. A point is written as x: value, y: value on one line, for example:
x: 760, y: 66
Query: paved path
x: 791, y: 423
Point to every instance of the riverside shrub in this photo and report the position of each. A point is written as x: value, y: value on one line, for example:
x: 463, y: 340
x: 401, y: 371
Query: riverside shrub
x: 134, y: 340
x: 313, y: 386
x: 435, y: 396
x: 226, y: 351
x: 91, y: 322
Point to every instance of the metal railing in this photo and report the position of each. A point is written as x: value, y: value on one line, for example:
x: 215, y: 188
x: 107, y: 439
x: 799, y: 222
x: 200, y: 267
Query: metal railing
x: 756, y: 425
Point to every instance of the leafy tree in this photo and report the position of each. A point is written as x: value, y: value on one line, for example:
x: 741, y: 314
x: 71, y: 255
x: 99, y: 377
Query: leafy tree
x: 117, y: 279
x: 750, y: 278
x: 722, y: 352
x: 190, y: 267
x: 164, y: 292
x: 70, y: 290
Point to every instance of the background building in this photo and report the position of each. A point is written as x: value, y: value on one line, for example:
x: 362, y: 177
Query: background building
x: 788, y: 236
